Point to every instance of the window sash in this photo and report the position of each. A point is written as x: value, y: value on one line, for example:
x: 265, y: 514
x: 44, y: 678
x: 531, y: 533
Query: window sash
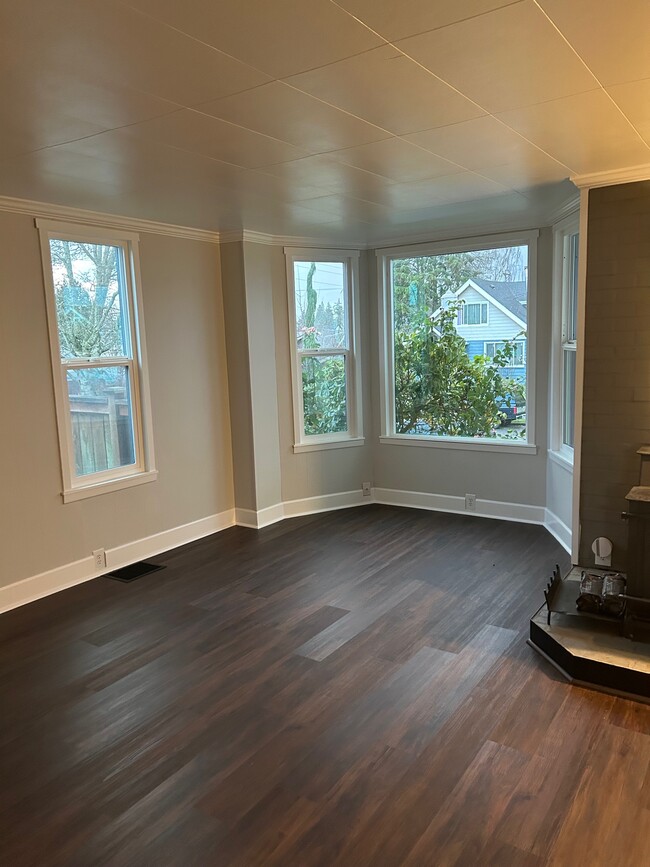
x: 568, y: 341
x: 349, y: 260
x: 133, y: 363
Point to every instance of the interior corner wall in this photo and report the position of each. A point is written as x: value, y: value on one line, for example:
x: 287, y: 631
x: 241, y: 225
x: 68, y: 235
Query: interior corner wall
x: 330, y: 471
x: 502, y: 477
x: 183, y: 317
x: 616, y: 400
x: 233, y: 280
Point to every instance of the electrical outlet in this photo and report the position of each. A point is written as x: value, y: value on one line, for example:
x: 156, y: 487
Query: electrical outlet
x: 470, y: 502
x: 366, y: 487
x: 99, y: 556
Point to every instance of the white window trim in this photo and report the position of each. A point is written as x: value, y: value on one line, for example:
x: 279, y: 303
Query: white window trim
x: 562, y: 233
x: 354, y: 434
x: 386, y: 349
x: 144, y: 470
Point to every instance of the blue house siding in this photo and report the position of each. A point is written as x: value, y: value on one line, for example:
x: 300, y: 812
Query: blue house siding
x: 477, y: 347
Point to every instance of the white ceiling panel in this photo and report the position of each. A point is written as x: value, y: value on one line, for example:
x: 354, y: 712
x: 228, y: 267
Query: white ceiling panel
x: 504, y: 59
x: 397, y: 20
x: 328, y: 117
x: 585, y: 132
x: 633, y: 99
x: 107, y: 41
x: 202, y: 134
x: 388, y: 89
x: 285, y: 113
x: 613, y: 38
x: 397, y: 160
x: 281, y: 38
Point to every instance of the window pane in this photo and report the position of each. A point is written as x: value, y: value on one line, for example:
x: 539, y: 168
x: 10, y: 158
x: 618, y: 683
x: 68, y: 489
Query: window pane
x: 460, y: 323
x: 324, y: 394
x: 320, y: 296
x: 568, y: 406
x: 572, y: 300
x: 102, y: 419
x: 90, y: 299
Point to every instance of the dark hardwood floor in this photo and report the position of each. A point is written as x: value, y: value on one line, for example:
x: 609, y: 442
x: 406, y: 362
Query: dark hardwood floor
x: 352, y: 688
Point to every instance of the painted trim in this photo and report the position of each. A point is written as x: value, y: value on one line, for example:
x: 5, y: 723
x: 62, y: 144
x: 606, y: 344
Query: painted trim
x: 299, y: 448
x: 62, y: 577
x: 326, y: 503
x: 558, y: 529
x: 84, y: 491
x: 74, y: 486
x: 519, y: 512
x: 614, y: 176
x: 119, y: 221
x: 294, y: 508
x: 97, y: 218
x: 252, y: 237
x: 580, y: 372
x: 479, y: 445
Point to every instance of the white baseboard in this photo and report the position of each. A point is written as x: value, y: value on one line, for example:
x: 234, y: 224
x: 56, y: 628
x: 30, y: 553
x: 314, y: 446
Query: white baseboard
x: 295, y: 508
x: 325, y: 503
x: 447, y: 503
x: 62, y: 577
x: 558, y: 529
x: 30, y: 589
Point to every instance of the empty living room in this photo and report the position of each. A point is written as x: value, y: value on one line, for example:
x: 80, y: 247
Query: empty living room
x: 325, y: 527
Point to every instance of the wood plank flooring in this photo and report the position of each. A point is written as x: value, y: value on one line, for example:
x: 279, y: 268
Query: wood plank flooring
x: 352, y: 688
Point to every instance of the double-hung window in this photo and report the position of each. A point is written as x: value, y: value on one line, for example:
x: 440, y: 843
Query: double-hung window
x: 323, y: 300
x: 569, y: 336
x: 98, y: 357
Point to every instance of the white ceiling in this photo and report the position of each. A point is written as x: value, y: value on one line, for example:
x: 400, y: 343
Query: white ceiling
x: 361, y: 119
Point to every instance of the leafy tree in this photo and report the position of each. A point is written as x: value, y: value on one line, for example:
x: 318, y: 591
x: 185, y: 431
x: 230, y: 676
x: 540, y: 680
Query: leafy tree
x: 439, y: 389
x: 87, y: 298
x: 324, y: 394
x: 420, y: 282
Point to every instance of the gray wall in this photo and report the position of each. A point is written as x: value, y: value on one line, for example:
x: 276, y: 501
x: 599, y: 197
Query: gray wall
x: 616, y: 403
x: 507, y: 477
x: 191, y: 425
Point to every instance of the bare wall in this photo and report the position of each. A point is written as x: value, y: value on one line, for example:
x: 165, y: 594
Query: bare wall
x: 616, y: 402
x: 183, y: 316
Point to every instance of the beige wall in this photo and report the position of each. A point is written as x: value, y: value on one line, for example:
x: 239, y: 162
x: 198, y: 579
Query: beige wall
x: 616, y: 401
x: 506, y: 477
x: 187, y: 367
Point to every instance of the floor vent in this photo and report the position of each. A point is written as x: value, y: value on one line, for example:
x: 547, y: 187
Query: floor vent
x: 135, y: 570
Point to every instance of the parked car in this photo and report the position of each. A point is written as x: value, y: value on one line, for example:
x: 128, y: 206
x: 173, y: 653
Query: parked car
x: 511, y: 409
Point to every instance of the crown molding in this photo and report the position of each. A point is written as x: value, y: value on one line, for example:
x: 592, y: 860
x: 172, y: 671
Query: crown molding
x: 287, y: 240
x: 111, y: 221
x: 571, y: 206
x: 615, y: 176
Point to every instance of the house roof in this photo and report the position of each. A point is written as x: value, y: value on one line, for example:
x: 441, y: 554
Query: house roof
x: 511, y: 295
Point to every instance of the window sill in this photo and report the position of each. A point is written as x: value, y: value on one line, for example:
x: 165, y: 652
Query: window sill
x: 506, y: 446
x: 299, y: 448
x: 561, y: 460
x: 82, y: 493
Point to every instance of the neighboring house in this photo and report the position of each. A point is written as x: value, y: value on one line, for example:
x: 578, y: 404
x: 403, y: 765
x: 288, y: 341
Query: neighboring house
x: 493, y: 312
